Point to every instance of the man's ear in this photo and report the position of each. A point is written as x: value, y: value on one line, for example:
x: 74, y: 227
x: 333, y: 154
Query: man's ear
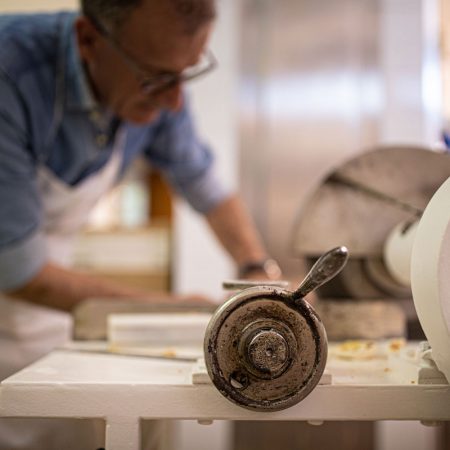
x: 88, y: 38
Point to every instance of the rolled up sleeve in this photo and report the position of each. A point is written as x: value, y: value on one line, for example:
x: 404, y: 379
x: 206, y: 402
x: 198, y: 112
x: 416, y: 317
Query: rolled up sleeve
x: 22, y: 261
x: 186, y: 162
x: 22, y: 246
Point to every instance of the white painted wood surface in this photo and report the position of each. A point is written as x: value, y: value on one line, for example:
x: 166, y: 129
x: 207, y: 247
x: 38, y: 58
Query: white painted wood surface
x: 123, y: 390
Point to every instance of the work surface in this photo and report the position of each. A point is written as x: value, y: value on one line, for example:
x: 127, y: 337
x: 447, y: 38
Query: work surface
x: 366, y: 384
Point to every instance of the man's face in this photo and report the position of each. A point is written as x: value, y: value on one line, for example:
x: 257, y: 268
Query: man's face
x: 152, y: 42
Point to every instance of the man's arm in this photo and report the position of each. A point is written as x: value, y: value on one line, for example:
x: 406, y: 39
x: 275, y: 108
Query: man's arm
x: 235, y: 229
x: 59, y: 288
x: 187, y: 164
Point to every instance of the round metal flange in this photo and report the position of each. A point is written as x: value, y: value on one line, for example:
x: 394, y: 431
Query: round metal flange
x: 265, y: 349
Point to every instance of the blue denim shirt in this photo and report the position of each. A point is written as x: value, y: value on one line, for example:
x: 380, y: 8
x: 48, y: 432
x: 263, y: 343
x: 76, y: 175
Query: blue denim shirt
x: 49, y: 116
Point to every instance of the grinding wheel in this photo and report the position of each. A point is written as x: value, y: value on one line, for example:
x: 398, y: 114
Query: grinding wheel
x: 358, y: 204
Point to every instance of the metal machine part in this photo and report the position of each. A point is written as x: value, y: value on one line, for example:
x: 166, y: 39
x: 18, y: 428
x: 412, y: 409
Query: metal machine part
x: 359, y: 204
x: 266, y: 348
x: 397, y: 251
x: 237, y: 285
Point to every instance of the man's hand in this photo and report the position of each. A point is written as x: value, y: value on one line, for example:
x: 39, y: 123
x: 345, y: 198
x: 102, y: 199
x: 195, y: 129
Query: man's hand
x: 63, y: 289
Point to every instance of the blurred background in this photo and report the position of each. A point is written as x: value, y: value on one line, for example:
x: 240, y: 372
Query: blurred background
x: 304, y: 85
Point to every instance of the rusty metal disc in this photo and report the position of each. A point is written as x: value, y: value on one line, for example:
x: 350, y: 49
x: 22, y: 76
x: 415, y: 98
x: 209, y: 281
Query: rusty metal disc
x: 265, y: 350
x: 358, y: 204
x: 361, y: 201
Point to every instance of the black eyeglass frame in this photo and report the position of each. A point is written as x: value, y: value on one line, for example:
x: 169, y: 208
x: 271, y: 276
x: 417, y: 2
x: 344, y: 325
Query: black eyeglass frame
x: 151, y: 84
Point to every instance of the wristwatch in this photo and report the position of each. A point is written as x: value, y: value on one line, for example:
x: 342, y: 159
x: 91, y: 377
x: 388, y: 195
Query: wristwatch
x: 269, y: 266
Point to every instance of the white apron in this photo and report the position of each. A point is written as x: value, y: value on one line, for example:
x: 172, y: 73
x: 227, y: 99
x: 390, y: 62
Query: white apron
x: 28, y: 331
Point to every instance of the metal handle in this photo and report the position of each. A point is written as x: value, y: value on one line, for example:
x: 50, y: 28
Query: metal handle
x: 240, y: 285
x: 325, y: 268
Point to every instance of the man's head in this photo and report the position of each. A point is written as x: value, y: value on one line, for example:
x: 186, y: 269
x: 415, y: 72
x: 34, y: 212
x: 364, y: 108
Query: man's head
x: 131, y: 46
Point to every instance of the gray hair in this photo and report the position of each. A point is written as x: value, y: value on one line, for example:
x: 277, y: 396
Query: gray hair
x: 112, y: 13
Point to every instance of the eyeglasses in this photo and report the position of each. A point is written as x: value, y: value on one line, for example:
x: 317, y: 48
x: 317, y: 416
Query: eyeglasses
x: 159, y: 81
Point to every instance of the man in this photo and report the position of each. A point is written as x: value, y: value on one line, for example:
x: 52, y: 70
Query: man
x: 81, y: 97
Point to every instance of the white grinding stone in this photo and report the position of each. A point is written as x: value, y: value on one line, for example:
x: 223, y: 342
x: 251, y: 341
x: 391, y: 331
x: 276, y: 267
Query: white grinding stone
x: 430, y: 275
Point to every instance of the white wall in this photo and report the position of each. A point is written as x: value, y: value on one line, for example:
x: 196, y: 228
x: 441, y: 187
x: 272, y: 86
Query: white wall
x: 409, y: 35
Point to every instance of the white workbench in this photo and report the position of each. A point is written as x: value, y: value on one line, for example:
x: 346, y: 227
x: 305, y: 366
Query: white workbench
x: 122, y: 390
